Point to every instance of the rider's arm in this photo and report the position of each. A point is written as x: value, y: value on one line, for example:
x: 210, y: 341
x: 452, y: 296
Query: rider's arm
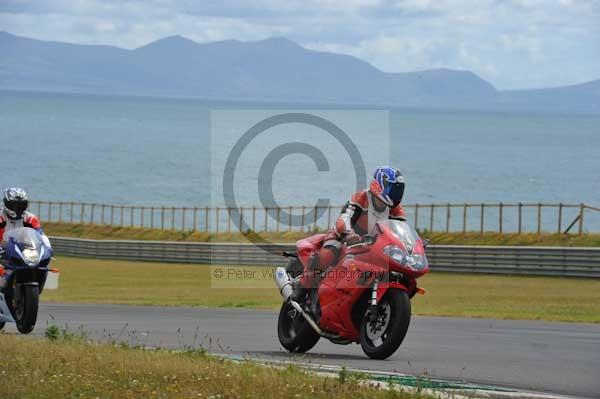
x: 350, y: 214
x: 397, y: 213
x: 30, y: 220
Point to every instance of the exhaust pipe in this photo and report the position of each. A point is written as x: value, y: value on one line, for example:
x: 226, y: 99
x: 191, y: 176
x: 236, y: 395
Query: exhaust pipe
x: 284, y: 283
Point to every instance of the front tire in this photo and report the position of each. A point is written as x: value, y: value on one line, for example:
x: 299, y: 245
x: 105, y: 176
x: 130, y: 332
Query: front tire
x: 294, y: 332
x: 381, y: 337
x: 26, y: 310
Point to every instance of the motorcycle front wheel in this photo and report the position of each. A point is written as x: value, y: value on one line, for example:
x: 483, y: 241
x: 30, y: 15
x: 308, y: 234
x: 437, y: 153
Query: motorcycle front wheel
x: 26, y: 308
x: 294, y: 332
x: 382, y: 333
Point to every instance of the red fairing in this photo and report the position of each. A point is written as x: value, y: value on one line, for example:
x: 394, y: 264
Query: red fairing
x: 340, y: 292
x: 307, y: 246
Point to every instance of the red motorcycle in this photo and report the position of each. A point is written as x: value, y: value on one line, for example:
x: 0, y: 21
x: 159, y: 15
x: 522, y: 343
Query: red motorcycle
x: 365, y: 298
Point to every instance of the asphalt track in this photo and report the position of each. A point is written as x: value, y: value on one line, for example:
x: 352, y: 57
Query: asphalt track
x: 559, y: 358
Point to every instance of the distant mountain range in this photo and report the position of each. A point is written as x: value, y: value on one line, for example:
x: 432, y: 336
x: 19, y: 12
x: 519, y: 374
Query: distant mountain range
x: 271, y: 70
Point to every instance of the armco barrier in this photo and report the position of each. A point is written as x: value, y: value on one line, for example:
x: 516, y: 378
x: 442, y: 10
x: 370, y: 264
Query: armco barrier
x: 547, y: 261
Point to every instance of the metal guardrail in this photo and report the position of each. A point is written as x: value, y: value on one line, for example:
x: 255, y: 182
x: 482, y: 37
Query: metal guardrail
x: 546, y: 261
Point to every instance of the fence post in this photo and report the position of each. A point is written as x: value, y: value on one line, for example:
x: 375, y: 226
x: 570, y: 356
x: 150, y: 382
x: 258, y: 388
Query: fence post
x: 112, y: 215
x: 71, y: 218
x: 416, y: 216
x: 217, y: 218
x: 183, y: 219
x: 241, y: 219
x: 539, y: 218
x: 501, y: 207
x: 102, y: 216
x: 206, y: 219
x: 431, y: 217
x: 560, y: 212
x: 132, y: 210
x: 173, y: 218
x: 482, y: 221
x: 464, y: 218
x: 329, y: 216
x: 49, y: 211
x: 194, y: 227
x: 253, y: 218
x: 228, y: 220
x: 581, y: 210
x: 278, y: 217
x: 81, y: 209
x: 122, y: 211
x: 60, y: 206
x: 302, y: 220
x: 447, y: 217
x: 152, y: 217
x: 520, y: 206
x: 266, y: 210
x: 142, y: 216
x: 92, y: 211
x: 289, y: 218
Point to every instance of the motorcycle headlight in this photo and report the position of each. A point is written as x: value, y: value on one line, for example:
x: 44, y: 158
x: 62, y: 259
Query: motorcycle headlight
x: 397, y: 254
x: 31, y: 256
x: 415, y: 262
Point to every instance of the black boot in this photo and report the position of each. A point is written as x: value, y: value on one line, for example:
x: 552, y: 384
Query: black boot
x: 299, y: 292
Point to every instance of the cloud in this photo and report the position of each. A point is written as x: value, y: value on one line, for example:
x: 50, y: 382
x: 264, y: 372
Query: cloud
x: 512, y: 43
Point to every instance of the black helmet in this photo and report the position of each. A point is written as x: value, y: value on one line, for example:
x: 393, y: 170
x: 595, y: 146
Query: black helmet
x: 15, y: 202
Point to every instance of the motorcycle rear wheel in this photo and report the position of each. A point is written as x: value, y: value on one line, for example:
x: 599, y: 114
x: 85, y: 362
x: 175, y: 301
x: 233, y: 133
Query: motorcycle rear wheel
x: 381, y: 337
x: 294, y: 332
x: 27, y: 311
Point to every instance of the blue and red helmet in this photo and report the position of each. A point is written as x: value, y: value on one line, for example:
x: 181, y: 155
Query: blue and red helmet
x: 388, y: 185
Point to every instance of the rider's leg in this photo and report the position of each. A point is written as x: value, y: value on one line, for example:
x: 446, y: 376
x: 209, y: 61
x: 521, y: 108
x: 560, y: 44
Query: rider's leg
x: 318, y: 263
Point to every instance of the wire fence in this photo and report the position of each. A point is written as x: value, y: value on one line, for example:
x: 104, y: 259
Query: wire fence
x: 482, y: 217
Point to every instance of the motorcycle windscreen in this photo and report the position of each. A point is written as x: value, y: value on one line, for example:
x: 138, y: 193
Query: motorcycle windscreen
x: 403, y: 231
x: 25, y: 238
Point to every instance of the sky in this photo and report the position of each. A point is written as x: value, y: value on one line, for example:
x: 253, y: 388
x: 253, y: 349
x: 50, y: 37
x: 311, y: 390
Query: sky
x: 513, y: 44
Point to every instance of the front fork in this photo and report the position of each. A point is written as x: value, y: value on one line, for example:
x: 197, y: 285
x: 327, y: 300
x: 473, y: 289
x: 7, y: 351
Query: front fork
x: 379, y: 288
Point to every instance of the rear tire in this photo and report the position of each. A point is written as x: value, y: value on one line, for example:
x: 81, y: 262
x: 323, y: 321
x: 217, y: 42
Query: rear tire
x: 294, y: 332
x: 381, y: 338
x: 2, y: 323
x: 27, y: 311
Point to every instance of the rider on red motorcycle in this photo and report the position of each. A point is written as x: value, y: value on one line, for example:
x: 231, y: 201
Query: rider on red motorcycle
x: 358, y: 217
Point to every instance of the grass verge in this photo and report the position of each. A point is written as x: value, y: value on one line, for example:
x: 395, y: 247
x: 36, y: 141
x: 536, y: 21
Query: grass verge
x: 76, y: 369
x: 448, y: 294
x: 488, y: 238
